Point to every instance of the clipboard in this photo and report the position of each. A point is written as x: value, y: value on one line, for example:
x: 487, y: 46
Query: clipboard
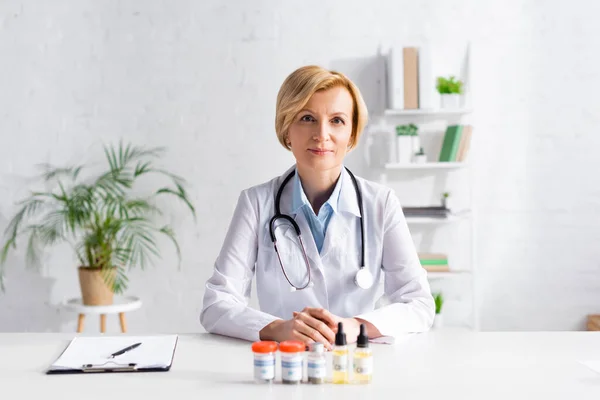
x: 95, y: 355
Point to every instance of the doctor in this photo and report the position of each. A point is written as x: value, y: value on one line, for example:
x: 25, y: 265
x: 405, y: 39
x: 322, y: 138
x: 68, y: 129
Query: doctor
x: 317, y: 238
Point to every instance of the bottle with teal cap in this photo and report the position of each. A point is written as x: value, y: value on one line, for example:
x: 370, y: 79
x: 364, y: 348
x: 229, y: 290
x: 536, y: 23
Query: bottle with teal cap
x: 340, y: 356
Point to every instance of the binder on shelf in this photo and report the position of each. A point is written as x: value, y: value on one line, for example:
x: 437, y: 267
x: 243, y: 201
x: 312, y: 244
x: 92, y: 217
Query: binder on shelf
x: 116, y: 354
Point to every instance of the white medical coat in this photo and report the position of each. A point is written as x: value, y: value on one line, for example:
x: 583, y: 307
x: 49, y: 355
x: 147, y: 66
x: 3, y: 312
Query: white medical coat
x: 248, y: 252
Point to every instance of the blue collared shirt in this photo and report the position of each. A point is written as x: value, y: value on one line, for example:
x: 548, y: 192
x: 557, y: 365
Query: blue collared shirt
x: 318, y: 222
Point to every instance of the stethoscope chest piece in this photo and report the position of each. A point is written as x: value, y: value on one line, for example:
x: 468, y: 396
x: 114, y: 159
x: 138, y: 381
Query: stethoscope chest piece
x: 363, y: 278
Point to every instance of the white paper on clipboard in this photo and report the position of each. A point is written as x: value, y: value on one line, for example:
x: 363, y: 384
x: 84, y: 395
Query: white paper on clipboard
x: 155, y: 352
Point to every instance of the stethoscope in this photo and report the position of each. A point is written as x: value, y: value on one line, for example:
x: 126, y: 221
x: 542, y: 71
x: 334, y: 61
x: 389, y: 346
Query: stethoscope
x: 363, y: 278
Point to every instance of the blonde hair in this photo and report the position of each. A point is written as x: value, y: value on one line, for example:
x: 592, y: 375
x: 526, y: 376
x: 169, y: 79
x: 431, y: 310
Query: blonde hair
x: 298, y: 88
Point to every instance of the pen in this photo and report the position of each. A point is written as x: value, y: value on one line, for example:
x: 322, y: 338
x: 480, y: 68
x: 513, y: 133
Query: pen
x: 125, y: 350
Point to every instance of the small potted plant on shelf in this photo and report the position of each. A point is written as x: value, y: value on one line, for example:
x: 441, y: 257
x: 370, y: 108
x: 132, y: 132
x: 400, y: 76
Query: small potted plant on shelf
x: 420, y: 157
x: 439, y: 302
x: 450, y: 90
x: 109, y: 228
x: 445, y: 197
x: 407, y: 142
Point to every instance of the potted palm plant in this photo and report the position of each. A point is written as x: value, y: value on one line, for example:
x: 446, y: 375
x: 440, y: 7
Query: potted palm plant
x: 109, y: 228
x: 450, y: 90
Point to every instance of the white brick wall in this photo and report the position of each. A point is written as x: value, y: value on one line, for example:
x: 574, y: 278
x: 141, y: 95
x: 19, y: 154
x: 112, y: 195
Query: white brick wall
x: 201, y: 78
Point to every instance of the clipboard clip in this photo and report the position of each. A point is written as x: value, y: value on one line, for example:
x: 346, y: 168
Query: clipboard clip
x: 109, y: 366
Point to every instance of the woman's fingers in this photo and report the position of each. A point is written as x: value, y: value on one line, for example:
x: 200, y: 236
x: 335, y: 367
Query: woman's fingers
x: 316, y: 324
x: 323, y: 315
x: 296, y: 335
x: 302, y: 327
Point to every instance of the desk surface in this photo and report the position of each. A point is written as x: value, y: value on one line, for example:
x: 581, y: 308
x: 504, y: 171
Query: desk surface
x: 434, y: 365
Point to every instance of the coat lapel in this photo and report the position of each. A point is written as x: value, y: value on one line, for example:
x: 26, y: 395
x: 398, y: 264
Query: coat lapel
x: 347, y: 208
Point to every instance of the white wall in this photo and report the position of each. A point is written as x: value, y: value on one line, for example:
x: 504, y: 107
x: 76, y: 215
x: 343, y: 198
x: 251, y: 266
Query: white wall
x: 202, y: 77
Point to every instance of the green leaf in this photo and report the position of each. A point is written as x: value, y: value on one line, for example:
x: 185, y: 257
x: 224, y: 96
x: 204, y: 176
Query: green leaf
x: 32, y: 259
x: 141, y: 168
x: 166, y: 230
x: 181, y: 194
x: 51, y: 172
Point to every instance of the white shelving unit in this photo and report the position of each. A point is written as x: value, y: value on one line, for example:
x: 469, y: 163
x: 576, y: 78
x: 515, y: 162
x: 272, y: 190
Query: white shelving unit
x: 380, y: 161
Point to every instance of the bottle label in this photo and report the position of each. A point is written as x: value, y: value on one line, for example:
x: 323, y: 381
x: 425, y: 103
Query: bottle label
x: 264, y: 367
x: 363, y: 366
x: 340, y: 362
x: 291, y: 368
x: 316, y: 368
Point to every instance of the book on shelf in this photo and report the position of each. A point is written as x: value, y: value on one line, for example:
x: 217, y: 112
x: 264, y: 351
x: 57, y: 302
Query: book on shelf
x: 410, y: 81
x: 434, y: 262
x: 432, y: 256
x: 426, y: 212
x: 456, y: 143
x: 437, y: 268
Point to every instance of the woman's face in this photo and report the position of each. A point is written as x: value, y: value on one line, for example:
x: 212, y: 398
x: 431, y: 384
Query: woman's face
x: 321, y: 131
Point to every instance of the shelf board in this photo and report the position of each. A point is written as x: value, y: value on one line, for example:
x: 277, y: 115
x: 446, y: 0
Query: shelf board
x: 434, y: 221
x: 427, y: 112
x: 429, y: 165
x: 445, y: 275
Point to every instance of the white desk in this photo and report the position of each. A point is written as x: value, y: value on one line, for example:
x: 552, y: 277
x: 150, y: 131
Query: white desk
x: 436, y: 365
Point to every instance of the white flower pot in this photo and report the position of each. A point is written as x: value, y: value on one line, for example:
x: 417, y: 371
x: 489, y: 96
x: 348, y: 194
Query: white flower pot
x: 420, y: 158
x: 450, y: 101
x: 416, y: 143
x: 404, y: 149
x: 438, y: 321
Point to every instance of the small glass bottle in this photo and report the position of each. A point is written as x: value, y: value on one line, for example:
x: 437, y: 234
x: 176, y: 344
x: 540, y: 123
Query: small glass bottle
x: 363, y: 358
x: 264, y: 361
x: 340, y: 356
x: 316, y: 364
x: 292, y: 361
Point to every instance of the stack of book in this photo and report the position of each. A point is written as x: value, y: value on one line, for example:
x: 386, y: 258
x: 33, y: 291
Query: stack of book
x: 426, y: 212
x: 456, y: 143
x: 434, y: 262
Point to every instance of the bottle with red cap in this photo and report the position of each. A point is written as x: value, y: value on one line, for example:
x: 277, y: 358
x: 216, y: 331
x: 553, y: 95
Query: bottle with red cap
x: 264, y: 361
x: 292, y: 361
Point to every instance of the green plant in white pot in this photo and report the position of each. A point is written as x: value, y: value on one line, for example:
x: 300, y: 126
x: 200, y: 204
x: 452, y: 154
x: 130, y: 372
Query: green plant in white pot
x: 109, y: 228
x: 446, y: 200
x: 439, y: 303
x: 450, y: 90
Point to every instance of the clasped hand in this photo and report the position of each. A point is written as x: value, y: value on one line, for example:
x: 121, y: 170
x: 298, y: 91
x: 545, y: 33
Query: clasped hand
x: 311, y: 325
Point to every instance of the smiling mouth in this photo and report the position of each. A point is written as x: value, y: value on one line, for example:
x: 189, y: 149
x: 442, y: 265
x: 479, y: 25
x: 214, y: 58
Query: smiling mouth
x: 320, y: 152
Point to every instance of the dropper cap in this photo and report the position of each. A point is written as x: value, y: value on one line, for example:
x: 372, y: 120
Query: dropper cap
x: 340, y: 336
x: 363, y: 339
